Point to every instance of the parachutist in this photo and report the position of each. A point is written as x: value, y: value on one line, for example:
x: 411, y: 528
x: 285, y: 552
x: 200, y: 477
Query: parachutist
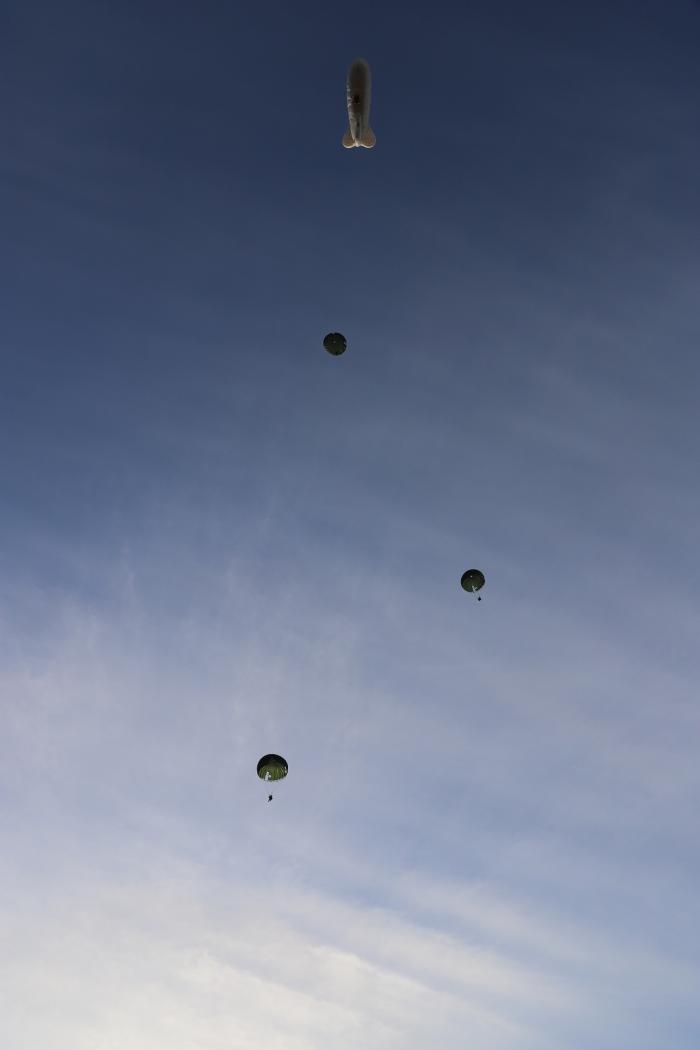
x: 272, y: 768
x: 472, y: 581
x: 359, y: 90
x: 335, y: 343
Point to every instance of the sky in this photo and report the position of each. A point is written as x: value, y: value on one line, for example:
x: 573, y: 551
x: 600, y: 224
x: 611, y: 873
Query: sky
x: 217, y: 541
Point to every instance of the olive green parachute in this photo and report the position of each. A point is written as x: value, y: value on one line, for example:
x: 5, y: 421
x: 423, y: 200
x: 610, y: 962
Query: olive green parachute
x: 473, y: 580
x: 272, y: 767
x: 335, y: 343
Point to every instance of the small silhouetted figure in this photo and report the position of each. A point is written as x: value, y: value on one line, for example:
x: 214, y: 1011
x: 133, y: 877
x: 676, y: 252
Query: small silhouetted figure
x: 269, y: 798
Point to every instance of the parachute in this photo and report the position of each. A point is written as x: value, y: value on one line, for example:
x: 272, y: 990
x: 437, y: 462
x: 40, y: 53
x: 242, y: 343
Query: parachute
x: 473, y: 580
x: 335, y: 343
x: 272, y: 767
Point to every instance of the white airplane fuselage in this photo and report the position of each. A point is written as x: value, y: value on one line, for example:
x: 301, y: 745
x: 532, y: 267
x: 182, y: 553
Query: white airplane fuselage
x: 359, y: 95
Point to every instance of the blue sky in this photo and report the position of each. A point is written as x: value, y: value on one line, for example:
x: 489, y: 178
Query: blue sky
x: 218, y: 541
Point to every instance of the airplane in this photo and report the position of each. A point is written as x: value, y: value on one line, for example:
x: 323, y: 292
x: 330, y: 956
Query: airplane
x: 359, y: 84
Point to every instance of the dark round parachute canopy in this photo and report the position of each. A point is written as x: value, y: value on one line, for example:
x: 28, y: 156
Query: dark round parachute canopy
x: 272, y: 767
x: 335, y: 343
x: 473, y: 580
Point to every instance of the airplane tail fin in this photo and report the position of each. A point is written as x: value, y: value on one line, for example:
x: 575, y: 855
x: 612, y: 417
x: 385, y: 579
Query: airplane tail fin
x: 348, y: 140
x: 369, y: 139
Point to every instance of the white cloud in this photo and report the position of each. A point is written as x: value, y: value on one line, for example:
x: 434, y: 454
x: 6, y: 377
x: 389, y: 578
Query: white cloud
x: 154, y: 898
x: 212, y: 966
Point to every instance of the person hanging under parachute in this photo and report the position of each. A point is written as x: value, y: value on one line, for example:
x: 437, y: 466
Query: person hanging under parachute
x: 272, y: 768
x: 472, y: 581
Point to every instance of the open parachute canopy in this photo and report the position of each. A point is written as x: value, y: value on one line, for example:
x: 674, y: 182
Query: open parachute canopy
x: 272, y: 767
x: 473, y: 580
x: 335, y: 343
